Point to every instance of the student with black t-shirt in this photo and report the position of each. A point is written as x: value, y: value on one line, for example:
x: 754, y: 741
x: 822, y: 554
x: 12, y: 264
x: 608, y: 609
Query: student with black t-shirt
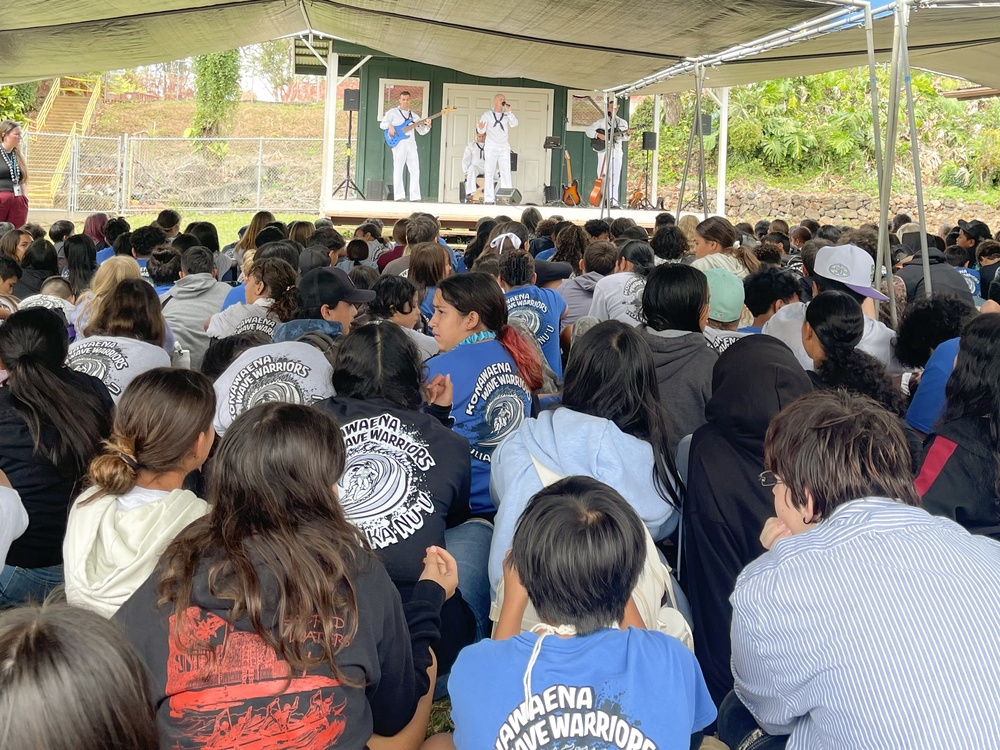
x: 52, y: 421
x: 407, y: 476
x: 269, y: 621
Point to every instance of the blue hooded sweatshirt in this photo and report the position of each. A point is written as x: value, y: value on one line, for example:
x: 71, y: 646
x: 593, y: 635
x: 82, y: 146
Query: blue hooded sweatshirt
x: 570, y: 443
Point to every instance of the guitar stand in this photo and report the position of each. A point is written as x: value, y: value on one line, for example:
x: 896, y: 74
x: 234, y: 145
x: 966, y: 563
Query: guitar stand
x: 347, y: 183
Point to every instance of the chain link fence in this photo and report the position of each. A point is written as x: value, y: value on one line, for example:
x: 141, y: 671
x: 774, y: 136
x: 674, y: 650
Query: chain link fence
x: 131, y: 174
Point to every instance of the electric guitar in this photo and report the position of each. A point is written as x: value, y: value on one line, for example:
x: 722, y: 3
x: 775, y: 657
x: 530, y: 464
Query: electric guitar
x: 403, y: 131
x: 571, y: 190
x: 599, y: 145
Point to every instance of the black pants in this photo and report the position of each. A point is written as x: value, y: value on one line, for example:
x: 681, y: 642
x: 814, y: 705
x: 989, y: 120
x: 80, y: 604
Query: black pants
x: 739, y: 729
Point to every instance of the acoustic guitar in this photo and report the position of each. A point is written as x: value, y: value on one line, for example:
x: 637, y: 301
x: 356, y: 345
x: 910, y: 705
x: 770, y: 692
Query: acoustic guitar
x: 571, y: 190
x: 596, y: 195
x: 408, y: 126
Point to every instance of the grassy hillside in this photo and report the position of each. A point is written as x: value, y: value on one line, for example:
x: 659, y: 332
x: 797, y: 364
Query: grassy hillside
x: 252, y: 120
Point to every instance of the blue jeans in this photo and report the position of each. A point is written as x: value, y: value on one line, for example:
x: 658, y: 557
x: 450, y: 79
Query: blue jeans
x: 469, y: 544
x: 23, y: 585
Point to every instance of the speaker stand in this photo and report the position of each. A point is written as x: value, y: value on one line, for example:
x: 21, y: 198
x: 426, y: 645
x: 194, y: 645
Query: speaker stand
x: 347, y: 183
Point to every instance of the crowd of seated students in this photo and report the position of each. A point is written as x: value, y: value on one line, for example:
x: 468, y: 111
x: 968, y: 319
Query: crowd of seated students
x: 602, y: 488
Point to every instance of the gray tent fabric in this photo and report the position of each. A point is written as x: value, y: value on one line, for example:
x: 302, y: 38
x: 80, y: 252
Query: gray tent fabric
x: 962, y: 42
x: 585, y: 44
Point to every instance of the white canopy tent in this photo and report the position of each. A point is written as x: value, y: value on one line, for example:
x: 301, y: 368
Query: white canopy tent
x: 575, y: 43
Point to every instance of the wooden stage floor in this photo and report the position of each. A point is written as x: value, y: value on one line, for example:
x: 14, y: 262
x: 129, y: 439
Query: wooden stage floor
x: 459, y: 216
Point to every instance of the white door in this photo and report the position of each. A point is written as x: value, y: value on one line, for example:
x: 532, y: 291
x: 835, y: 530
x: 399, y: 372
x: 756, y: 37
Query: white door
x: 533, y: 108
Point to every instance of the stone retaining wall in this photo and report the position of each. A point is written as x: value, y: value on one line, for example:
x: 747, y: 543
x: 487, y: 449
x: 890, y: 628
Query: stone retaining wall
x: 751, y: 204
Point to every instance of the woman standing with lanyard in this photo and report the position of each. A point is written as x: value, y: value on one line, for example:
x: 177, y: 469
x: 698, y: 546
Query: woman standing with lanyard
x: 13, y: 199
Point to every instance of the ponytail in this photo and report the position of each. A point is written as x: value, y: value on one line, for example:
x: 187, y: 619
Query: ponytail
x: 525, y: 357
x: 66, y: 423
x: 159, y: 420
x: 745, y: 255
x: 278, y: 277
x: 116, y: 470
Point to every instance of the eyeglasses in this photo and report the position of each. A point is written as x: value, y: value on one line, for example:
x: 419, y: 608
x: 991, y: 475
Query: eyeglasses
x: 769, y: 479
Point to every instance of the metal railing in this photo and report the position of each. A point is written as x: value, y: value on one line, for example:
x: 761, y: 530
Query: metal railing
x: 43, y: 112
x: 133, y: 174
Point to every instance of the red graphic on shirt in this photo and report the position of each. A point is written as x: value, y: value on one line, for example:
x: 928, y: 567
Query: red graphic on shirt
x: 243, y: 696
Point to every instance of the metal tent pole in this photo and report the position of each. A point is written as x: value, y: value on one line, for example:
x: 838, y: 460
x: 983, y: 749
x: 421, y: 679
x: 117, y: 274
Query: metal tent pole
x: 885, y: 188
x: 720, y: 194
x: 604, y: 171
x: 914, y: 144
x: 873, y: 88
x: 655, y: 170
x: 699, y: 80
x: 684, y: 174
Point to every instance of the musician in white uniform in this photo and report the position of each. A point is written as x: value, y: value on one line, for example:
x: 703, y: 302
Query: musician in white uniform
x: 404, y: 154
x: 621, y: 133
x: 496, y: 124
x: 474, y: 164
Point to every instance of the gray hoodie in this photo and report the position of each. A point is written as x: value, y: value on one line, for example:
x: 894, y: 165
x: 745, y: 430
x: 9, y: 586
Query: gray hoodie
x: 188, y: 306
x: 684, y: 362
x: 578, y: 293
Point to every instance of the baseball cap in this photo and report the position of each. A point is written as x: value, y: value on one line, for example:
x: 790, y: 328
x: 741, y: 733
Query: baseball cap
x: 547, y: 270
x: 976, y: 229
x: 329, y: 286
x: 851, y: 266
x: 725, y: 295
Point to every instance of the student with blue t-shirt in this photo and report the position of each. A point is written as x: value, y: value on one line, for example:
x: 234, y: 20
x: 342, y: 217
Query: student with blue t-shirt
x: 539, y: 310
x: 585, y: 676
x: 493, y: 370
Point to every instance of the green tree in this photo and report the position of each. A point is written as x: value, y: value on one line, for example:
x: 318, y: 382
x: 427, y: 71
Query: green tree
x: 16, y: 101
x: 272, y: 63
x: 217, y: 92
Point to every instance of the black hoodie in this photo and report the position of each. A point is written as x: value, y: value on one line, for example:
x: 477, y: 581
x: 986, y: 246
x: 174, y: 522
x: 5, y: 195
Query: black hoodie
x: 944, y: 278
x: 726, y: 506
x: 245, y: 696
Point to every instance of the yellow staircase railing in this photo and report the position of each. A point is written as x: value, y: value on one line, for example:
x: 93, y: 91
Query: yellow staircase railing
x: 92, y: 86
x: 39, y: 123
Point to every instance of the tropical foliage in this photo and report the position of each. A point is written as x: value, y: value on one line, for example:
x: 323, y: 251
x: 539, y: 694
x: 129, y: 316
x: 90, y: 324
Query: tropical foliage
x: 217, y: 91
x: 16, y: 101
x: 822, y: 126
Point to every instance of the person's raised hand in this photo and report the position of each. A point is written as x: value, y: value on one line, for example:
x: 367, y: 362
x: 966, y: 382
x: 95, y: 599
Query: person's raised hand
x: 440, y: 567
x: 482, y: 125
x: 774, y: 529
x: 440, y: 391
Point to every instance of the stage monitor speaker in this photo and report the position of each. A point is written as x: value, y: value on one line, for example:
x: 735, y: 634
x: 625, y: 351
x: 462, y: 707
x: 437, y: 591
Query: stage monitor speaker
x: 352, y: 100
x: 649, y: 141
x: 508, y: 196
x: 513, y: 162
x: 375, y: 190
x: 553, y: 194
x: 706, y: 125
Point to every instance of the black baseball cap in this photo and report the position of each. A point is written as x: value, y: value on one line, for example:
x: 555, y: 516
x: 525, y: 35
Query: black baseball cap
x: 975, y: 229
x: 329, y: 286
x: 547, y: 270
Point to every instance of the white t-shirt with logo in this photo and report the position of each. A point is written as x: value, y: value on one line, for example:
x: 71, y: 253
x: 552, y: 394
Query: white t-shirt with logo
x: 290, y: 372
x: 115, y: 360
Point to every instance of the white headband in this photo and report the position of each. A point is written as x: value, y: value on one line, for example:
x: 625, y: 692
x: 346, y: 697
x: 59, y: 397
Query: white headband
x: 497, y: 241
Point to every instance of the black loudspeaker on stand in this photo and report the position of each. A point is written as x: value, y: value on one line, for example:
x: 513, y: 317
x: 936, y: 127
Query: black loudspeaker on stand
x: 352, y: 103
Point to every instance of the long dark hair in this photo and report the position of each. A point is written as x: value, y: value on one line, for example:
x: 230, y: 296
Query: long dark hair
x: 480, y: 293
x: 207, y: 234
x: 973, y: 389
x: 81, y: 262
x: 132, y: 311
x: 274, y: 512
x: 839, y: 323
x: 610, y: 374
x: 379, y: 360
x: 66, y: 423
x: 674, y: 298
x: 41, y: 256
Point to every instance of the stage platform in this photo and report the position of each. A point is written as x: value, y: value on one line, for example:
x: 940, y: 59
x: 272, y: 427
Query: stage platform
x: 463, y: 216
